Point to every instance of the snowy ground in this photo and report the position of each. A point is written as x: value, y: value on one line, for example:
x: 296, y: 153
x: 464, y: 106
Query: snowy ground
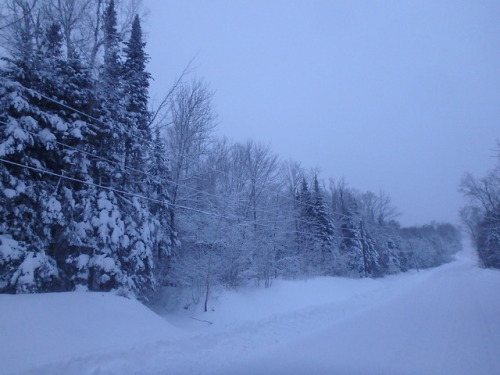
x: 440, y: 321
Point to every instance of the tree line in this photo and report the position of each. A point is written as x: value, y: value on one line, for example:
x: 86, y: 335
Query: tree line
x: 100, y: 192
x: 481, y: 215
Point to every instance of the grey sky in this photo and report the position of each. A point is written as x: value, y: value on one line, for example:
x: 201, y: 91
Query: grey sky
x: 399, y: 96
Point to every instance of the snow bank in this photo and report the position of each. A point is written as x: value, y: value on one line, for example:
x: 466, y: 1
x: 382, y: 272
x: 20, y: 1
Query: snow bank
x: 440, y: 321
x: 38, y: 329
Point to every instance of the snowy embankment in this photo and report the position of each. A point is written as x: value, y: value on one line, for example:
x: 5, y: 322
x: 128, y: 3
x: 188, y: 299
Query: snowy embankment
x: 40, y: 329
x: 440, y: 321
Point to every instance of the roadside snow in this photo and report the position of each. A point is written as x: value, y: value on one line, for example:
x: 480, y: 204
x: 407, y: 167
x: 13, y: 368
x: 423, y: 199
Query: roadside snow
x: 40, y: 329
x: 440, y: 321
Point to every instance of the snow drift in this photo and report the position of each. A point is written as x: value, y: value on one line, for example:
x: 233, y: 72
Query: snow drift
x: 39, y: 329
x: 440, y: 321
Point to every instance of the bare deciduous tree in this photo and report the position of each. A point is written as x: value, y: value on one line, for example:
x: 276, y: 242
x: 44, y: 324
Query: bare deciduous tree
x: 189, y: 132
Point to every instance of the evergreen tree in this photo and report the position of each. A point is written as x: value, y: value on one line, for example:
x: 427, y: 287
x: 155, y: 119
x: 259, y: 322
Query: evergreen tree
x: 388, y: 244
x: 305, y: 227
x: 323, y: 225
x: 316, y: 227
x: 137, y: 80
x: 138, y: 156
x: 136, y: 83
x: 369, y: 253
x: 306, y: 208
x: 164, y: 235
x: 351, y: 246
x: 111, y: 75
x: 67, y: 219
x: 28, y: 205
x: 32, y: 206
x: 101, y: 224
x: 110, y: 134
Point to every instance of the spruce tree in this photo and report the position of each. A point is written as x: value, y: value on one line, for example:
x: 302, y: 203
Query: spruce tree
x: 305, y: 210
x: 136, y: 84
x: 110, y: 137
x: 121, y: 223
x: 103, y: 216
x: 351, y: 245
x: 323, y: 224
x: 370, y: 255
x: 32, y: 211
x: 139, y: 155
x: 306, y: 228
x: 111, y: 75
x: 28, y: 205
x: 315, y: 226
x: 163, y: 234
x: 67, y: 220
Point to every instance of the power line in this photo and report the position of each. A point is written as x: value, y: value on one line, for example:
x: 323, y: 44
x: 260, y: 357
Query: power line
x: 218, y: 197
x: 100, y: 157
x: 154, y: 153
x: 264, y: 188
x: 131, y: 169
x: 116, y: 163
x: 166, y: 203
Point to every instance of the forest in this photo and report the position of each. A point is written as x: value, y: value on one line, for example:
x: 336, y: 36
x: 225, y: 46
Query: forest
x: 99, y: 191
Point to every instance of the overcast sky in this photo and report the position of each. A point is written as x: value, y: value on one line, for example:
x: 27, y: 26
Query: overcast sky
x: 398, y: 96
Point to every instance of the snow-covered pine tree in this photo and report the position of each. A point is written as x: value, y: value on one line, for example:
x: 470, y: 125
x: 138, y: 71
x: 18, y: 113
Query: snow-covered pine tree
x: 28, y: 205
x: 351, y: 246
x: 100, y: 224
x: 390, y: 260
x: 357, y: 246
x: 306, y: 229
x: 138, y: 154
x: 323, y: 224
x: 33, y: 193
x: 117, y: 220
x: 164, y: 235
x: 112, y: 68
x: 70, y: 220
x: 315, y: 227
x: 67, y: 87
x: 136, y: 84
x: 369, y: 252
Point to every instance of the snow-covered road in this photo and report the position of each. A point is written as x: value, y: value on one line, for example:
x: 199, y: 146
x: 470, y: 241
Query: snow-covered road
x: 440, y: 321
x: 447, y: 324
